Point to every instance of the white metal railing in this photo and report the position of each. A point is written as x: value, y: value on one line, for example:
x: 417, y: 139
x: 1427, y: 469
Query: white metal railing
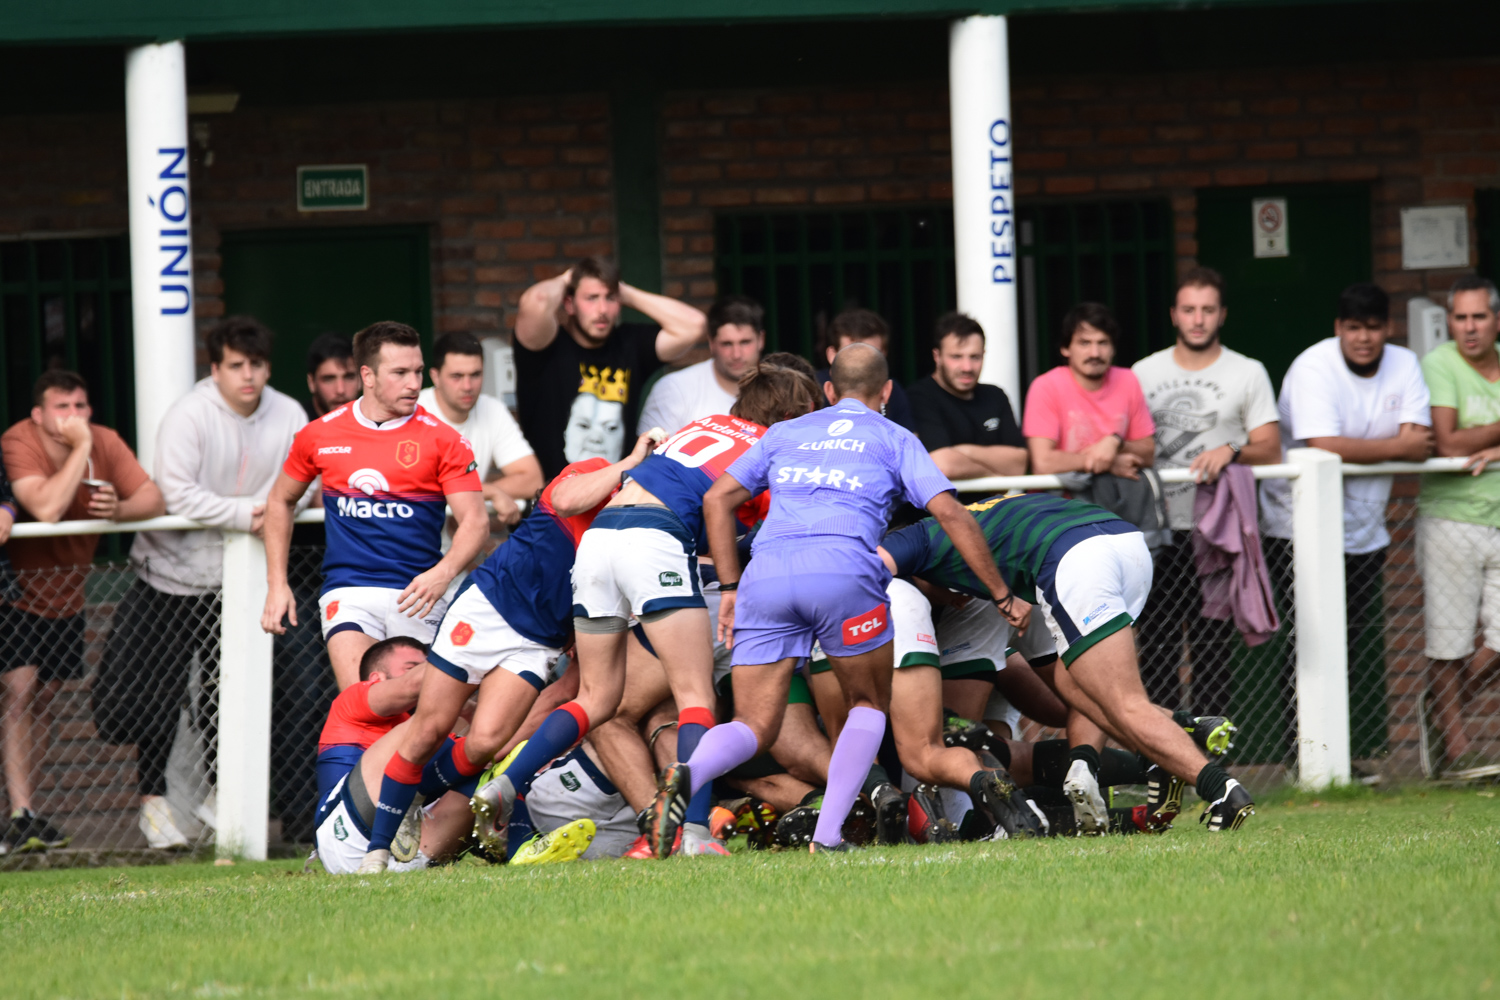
x: 244, y: 748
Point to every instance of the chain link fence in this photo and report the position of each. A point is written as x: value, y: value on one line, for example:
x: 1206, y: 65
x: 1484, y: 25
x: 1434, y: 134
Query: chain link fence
x: 125, y: 705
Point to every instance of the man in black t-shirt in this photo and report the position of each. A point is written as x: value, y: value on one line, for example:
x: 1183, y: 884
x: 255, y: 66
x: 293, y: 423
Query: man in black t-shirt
x: 862, y: 326
x: 966, y: 425
x: 577, y: 395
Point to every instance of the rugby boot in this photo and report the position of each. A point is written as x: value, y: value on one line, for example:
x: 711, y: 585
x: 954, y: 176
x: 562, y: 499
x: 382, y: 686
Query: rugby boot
x: 696, y: 840
x: 492, y: 804
x: 567, y: 843
x: 1230, y: 810
x: 1212, y: 733
x: 1089, y: 811
x: 925, y: 822
x: 1163, y: 797
x: 669, y: 808
x: 859, y: 826
x: 721, y: 823
x: 408, y: 836
x: 795, y: 828
x: 813, y: 847
x: 757, y: 821
x: 375, y: 863
x: 1132, y: 820
x: 996, y: 795
x: 639, y: 849
x: 975, y: 736
x: 890, y: 814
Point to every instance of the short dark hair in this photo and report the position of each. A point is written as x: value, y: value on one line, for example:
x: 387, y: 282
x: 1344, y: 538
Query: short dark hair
x: 1475, y: 283
x: 786, y: 359
x: 328, y: 347
x: 245, y: 334
x: 375, y: 656
x: 596, y: 268
x: 1364, y: 301
x: 1201, y: 277
x: 858, y: 324
x: 1096, y: 315
x: 735, y: 310
x: 770, y: 394
x: 369, y: 341
x: 57, y: 378
x: 956, y: 324
x: 456, y: 342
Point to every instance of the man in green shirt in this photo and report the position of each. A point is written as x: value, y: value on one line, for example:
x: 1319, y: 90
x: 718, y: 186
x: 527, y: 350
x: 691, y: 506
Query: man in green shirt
x: 1459, y: 526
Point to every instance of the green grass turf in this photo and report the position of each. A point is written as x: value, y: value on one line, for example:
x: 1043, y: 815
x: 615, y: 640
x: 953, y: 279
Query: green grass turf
x: 1361, y: 895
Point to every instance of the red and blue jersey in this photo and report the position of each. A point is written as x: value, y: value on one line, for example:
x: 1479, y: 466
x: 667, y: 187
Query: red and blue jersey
x: 683, y: 467
x: 529, y: 579
x: 384, y: 492
x: 351, y: 729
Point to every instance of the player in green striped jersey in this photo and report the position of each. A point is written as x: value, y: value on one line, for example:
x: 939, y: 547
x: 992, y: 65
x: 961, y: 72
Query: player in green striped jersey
x: 1089, y: 573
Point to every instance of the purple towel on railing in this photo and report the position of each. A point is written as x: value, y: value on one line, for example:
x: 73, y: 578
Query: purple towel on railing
x: 1232, y: 572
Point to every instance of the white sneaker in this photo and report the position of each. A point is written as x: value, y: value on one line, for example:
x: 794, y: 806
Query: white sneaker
x: 1089, y: 810
x: 697, y: 840
x: 158, y: 824
x: 375, y: 863
x: 408, y: 838
x: 208, y: 811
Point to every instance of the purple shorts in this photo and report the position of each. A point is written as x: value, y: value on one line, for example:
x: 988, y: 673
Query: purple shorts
x: 794, y: 594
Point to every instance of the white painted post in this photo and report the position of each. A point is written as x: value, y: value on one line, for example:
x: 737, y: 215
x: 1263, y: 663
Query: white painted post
x: 984, y: 221
x: 161, y: 255
x: 244, y: 785
x: 1322, y: 640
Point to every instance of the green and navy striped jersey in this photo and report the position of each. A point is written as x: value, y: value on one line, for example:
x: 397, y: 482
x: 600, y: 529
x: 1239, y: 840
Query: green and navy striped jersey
x: 1020, y: 530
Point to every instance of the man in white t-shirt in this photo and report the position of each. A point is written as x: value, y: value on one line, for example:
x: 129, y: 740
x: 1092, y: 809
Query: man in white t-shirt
x: 1364, y: 400
x: 736, y: 336
x: 1212, y: 406
x: 508, y: 468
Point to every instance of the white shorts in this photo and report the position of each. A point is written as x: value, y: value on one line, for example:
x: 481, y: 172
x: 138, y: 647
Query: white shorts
x: 1000, y: 709
x: 474, y: 639
x: 913, y: 640
x: 972, y: 640
x: 373, y: 611
x: 631, y: 563
x: 573, y: 787
x: 342, y: 839
x: 1098, y: 587
x: 1460, y: 565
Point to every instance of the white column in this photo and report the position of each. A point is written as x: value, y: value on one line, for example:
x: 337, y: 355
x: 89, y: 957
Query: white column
x: 244, y: 784
x: 984, y: 220
x: 161, y: 256
x: 1322, y: 643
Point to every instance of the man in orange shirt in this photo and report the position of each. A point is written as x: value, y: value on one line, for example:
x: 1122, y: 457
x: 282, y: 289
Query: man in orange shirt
x: 62, y: 468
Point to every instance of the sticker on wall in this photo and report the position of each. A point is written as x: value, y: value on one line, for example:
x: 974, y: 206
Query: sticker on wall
x: 334, y: 188
x: 1268, y: 221
x: 1434, y: 237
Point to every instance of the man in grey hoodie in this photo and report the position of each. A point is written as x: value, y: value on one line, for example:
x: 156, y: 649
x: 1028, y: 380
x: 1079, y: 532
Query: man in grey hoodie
x: 219, y: 449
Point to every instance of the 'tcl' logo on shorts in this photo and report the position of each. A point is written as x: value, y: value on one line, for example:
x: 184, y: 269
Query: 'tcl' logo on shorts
x: 333, y: 609
x: 865, y: 626
x: 462, y: 633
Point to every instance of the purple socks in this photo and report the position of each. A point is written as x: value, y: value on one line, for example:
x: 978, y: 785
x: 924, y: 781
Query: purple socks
x: 722, y: 749
x: 855, y: 751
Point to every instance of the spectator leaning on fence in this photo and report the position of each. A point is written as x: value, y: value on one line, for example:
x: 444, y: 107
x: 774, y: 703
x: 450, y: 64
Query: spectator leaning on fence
x: 332, y: 379
x: 736, y: 336
x: 1459, y: 528
x: 861, y: 326
x: 1212, y: 406
x: 217, y: 452
x: 967, y: 426
x: 63, y: 468
x: 507, y: 466
x: 1364, y: 400
x: 1087, y: 415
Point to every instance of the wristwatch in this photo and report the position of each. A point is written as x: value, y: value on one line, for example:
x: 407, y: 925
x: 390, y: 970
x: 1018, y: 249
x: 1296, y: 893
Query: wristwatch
x: 1234, y: 450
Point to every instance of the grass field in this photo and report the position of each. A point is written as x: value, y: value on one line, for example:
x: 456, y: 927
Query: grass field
x: 1362, y: 895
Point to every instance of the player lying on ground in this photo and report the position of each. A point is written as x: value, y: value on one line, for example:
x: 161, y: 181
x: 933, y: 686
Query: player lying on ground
x: 833, y: 476
x: 639, y: 559
x: 387, y: 467
x: 365, y: 723
x: 513, y: 613
x: 1090, y: 573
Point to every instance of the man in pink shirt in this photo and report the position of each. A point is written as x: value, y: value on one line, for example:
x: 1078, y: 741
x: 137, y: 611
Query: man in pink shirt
x: 1089, y: 416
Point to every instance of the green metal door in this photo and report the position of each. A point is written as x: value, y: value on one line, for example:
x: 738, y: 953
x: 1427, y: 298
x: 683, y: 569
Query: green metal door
x: 305, y: 282
x: 1279, y: 306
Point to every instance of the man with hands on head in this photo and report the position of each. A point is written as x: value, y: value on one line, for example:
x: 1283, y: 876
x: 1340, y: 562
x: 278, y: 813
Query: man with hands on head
x: 1088, y: 415
x: 387, y: 467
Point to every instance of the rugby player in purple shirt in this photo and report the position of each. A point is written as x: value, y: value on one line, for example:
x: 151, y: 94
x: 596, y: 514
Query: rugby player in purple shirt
x: 834, y: 476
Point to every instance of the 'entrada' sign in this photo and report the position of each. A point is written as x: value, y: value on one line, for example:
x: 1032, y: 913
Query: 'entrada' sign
x: 340, y: 187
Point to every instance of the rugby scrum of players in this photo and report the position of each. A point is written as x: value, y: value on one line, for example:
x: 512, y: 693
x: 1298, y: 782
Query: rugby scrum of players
x: 721, y: 634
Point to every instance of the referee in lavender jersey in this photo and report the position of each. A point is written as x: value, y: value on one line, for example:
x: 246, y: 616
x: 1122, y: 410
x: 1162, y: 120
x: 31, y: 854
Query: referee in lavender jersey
x: 833, y: 476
